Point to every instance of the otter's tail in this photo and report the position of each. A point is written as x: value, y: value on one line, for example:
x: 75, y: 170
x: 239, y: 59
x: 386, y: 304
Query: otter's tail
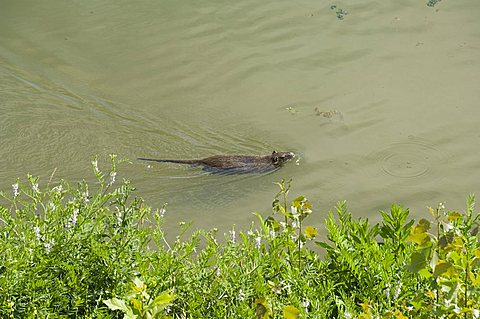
x: 168, y: 160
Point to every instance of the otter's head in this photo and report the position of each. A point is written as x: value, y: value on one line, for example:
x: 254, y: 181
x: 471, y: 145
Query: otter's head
x: 278, y: 159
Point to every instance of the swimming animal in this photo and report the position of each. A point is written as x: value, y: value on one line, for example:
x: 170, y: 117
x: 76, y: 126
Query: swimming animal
x: 235, y: 163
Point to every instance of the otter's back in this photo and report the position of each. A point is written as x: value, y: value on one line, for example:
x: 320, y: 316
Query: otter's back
x: 237, y: 162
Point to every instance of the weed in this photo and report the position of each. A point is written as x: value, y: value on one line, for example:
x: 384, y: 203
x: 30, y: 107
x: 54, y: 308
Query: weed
x: 100, y: 252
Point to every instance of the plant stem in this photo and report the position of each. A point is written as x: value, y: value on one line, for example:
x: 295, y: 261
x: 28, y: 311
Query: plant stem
x: 299, y: 238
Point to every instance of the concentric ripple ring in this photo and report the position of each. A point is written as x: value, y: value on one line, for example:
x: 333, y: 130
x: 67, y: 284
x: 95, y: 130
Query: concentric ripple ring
x: 408, y: 159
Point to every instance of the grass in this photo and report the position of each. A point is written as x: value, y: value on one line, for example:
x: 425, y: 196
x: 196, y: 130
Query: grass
x: 78, y: 252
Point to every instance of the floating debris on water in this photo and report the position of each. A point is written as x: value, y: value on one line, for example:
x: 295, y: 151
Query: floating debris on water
x: 332, y: 114
x: 339, y: 12
x: 291, y: 109
x: 432, y: 3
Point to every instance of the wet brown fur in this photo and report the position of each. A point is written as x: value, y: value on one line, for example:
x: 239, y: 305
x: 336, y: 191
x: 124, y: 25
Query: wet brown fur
x: 235, y: 162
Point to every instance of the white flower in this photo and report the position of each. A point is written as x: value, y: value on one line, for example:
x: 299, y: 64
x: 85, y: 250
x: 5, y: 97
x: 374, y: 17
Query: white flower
x: 162, y: 212
x: 217, y: 272
x: 272, y: 233
x: 250, y: 233
x: 232, y: 235
x: 258, y: 242
x: 35, y: 188
x: 301, y: 244
x: 293, y: 209
x: 387, y: 292
x: 85, y: 197
x: 305, y: 304
x: 119, y: 218
x: 397, y: 291
x: 441, y: 206
x: 276, y: 289
x: 36, y: 230
x: 58, y: 188
x: 476, y: 313
x: 15, y: 189
x: 72, y: 221
x: 295, y: 224
x: 95, y: 165
x: 113, y: 175
x: 48, y: 247
x: 241, y: 295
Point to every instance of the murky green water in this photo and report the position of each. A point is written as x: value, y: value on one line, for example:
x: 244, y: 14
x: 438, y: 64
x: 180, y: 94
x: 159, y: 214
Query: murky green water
x: 383, y: 105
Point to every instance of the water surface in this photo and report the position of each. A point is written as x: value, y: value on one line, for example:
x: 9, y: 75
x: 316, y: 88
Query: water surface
x: 380, y: 107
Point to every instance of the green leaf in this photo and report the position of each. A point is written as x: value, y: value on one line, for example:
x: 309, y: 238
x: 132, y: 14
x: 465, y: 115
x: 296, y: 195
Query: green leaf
x: 441, y: 267
x: 130, y: 315
x: 324, y: 245
x: 137, y: 304
x: 262, y: 310
x: 420, y: 239
x: 262, y: 223
x: 418, y: 261
x: 418, y: 233
x: 272, y: 223
x: 424, y: 225
x: 453, y: 216
x: 163, y: 299
x: 116, y: 304
x: 284, y: 212
x: 299, y: 199
x: 443, y: 241
x: 425, y: 273
x: 139, y: 283
x: 456, y: 244
x: 399, y: 315
x: 290, y: 312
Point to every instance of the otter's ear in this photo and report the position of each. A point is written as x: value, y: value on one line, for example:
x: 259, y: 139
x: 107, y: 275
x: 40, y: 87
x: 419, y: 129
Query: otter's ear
x: 274, y: 152
x: 275, y: 159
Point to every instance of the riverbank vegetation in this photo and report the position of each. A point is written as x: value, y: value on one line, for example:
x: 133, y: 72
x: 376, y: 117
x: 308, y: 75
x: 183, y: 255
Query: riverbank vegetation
x: 100, y: 252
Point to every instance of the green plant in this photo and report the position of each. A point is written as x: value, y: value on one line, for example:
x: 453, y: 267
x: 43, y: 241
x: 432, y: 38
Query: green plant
x: 73, y: 251
x: 137, y: 303
x: 66, y: 248
x: 450, y: 260
x: 367, y: 271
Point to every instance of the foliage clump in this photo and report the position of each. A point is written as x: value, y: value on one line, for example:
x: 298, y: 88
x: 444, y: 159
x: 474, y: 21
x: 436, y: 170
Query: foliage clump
x: 100, y: 252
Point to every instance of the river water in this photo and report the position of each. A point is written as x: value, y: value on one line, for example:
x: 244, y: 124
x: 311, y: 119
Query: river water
x: 380, y: 104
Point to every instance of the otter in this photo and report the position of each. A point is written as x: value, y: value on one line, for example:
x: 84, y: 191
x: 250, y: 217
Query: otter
x: 235, y: 163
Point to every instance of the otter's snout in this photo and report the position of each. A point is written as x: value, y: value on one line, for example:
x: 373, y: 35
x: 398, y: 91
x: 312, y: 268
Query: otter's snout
x: 290, y: 155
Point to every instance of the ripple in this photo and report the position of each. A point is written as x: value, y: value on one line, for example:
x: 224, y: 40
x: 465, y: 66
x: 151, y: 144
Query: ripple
x: 407, y: 159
